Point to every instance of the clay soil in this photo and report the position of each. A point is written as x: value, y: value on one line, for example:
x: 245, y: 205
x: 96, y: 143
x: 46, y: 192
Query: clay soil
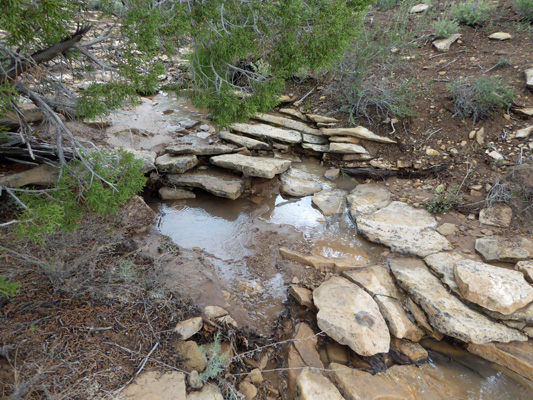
x: 84, y: 323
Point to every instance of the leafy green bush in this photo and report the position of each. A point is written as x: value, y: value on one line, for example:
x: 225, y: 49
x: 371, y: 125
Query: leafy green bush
x: 472, y: 12
x: 444, y: 200
x: 112, y: 179
x: 525, y: 9
x: 7, y: 288
x: 480, y: 98
x: 445, y: 27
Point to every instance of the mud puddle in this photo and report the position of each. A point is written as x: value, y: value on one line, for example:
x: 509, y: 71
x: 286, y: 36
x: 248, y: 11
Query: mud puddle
x: 241, y: 239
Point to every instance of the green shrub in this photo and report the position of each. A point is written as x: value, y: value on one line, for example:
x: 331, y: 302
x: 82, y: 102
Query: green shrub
x: 112, y: 179
x: 365, y: 83
x: 445, y: 27
x: 7, y: 288
x: 387, y: 4
x: 444, y: 200
x: 480, y: 98
x: 525, y: 9
x: 472, y: 12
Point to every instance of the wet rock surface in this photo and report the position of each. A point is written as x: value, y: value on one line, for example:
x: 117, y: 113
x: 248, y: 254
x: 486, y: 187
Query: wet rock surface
x: 350, y: 316
x: 404, y: 229
x: 445, y: 312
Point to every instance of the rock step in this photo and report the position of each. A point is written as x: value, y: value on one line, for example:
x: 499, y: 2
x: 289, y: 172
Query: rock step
x: 357, y: 132
x: 268, y: 131
x: 261, y: 167
x: 243, y: 141
x: 288, y: 123
x: 445, y: 312
x: 200, y: 149
x: 217, y: 182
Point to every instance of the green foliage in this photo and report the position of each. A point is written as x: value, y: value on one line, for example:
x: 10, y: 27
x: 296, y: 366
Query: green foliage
x: 100, y: 98
x: 387, y: 4
x: 365, y: 81
x: 525, y: 9
x: 472, y: 12
x: 238, y: 66
x: 114, y: 177
x: 480, y: 98
x: 7, y: 288
x: 216, y: 361
x: 444, y: 200
x: 127, y: 270
x: 445, y: 27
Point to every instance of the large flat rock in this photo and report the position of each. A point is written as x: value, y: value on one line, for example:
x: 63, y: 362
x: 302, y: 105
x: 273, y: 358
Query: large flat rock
x: 350, y: 316
x: 494, y: 288
x: 445, y: 312
x: 200, y: 149
x: 517, y: 356
x: 361, y: 385
x: 243, y: 141
x: 270, y: 132
x: 298, y: 187
x: 359, y: 132
x: 169, y: 164
x: 368, y: 198
x: 347, y: 148
x: 219, y: 183
x: 261, y: 167
x: 288, y: 123
x: 330, y: 202
x: 155, y: 385
x: 498, y: 248
x: 404, y: 229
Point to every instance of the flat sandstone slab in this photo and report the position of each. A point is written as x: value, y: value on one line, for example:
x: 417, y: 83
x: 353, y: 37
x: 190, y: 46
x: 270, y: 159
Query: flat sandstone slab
x: 261, y: 167
x: 219, y: 183
x: 445, y: 312
x: 267, y: 131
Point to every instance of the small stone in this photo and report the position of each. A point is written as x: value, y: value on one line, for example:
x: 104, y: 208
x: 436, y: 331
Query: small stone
x: 332, y: 174
x: 190, y: 355
x: 529, y: 77
x: 526, y: 267
x: 500, y: 36
x: 255, y: 376
x: 495, y: 155
x: 472, y: 134
x: 194, y: 380
x: 524, y: 133
x: 189, y: 327
x: 169, y: 164
x: 498, y: 215
x: 432, y: 152
x: 443, y: 45
x: 446, y: 229
x: 302, y: 295
x: 419, y: 8
x: 248, y: 390
x: 211, y: 312
x: 154, y: 385
x: 480, y: 136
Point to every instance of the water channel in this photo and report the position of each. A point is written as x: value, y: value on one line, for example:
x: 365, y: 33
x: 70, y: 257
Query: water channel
x: 239, y: 240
